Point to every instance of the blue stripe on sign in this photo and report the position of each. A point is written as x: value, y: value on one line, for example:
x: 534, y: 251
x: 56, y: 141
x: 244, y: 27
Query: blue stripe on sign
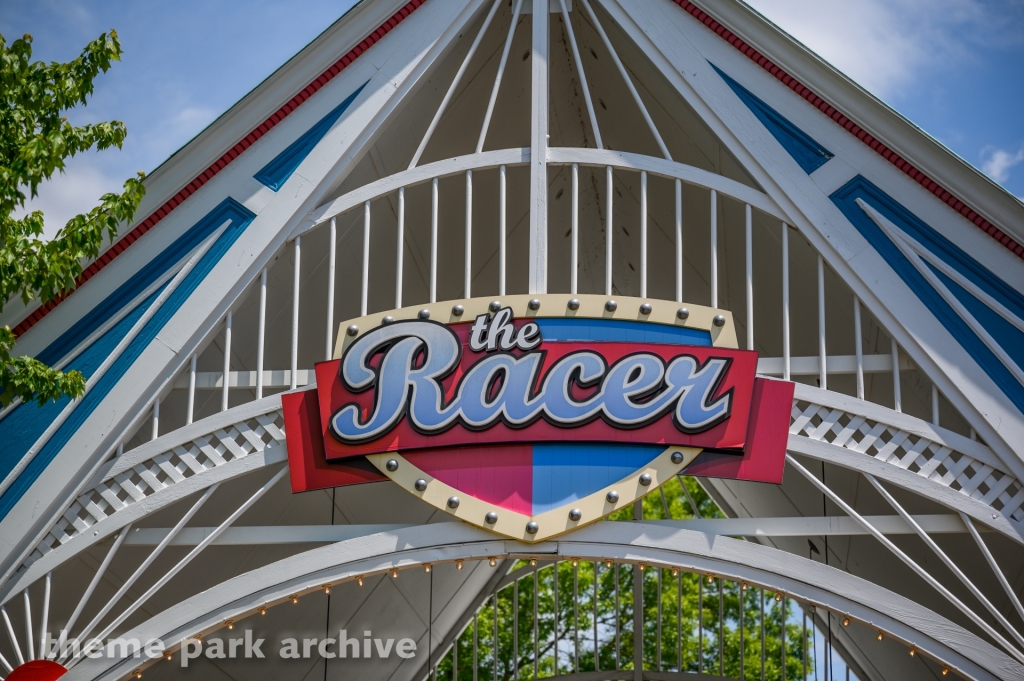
x: 845, y: 199
x: 566, y: 472
x: 620, y: 330
x: 240, y: 217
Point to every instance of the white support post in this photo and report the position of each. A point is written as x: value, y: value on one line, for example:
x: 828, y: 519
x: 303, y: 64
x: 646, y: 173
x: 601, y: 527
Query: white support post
x: 538, y: 262
x: 261, y: 335
x: 785, y: 302
x: 156, y: 419
x: 11, y: 635
x: 574, y: 265
x: 468, y: 264
x: 3, y: 660
x: 859, y: 347
x: 400, y: 255
x: 582, y: 74
x: 227, y: 362
x: 497, y: 79
x: 502, y: 194
x: 609, y: 228
x: 750, y: 277
x: 714, y: 248
x: 295, y: 314
x: 935, y: 404
x: 30, y: 645
x: 643, y: 233
x: 43, y: 652
x: 332, y: 250
x: 822, y: 369
x: 364, y: 294
x: 993, y: 564
x: 897, y: 395
x: 433, y: 241
x: 679, y: 240
x: 191, y: 404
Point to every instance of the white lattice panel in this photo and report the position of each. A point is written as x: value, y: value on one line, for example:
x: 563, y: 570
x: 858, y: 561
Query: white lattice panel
x: 930, y: 457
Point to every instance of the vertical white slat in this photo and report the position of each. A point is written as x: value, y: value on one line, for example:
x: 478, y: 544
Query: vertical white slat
x: 609, y: 182
x: 30, y: 646
x: 575, y: 260
x: 295, y: 313
x: 190, y: 406
x: 714, y: 248
x: 498, y: 77
x: 332, y: 257
x: 11, y: 636
x: 501, y: 225
x: 897, y: 396
x: 261, y: 333
x: 468, y: 263
x: 400, y: 255
x: 227, y: 363
x: 643, y: 233
x: 539, y: 123
x: 679, y: 240
x: 935, y: 404
x: 156, y: 419
x: 582, y: 74
x: 822, y: 369
x: 433, y: 241
x: 750, y: 277
x: 43, y: 652
x: 785, y: 302
x: 364, y: 294
x: 859, y: 347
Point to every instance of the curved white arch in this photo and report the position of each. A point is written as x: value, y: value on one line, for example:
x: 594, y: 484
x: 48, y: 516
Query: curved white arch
x: 801, y: 578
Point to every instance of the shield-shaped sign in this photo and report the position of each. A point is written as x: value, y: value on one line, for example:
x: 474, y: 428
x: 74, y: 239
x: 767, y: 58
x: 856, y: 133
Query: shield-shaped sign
x: 534, y: 415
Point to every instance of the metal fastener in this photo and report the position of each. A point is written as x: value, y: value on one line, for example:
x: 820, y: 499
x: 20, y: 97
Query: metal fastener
x: 453, y: 502
x: 611, y: 305
x: 424, y: 314
x: 391, y: 465
x: 533, y: 304
x: 387, y: 320
x: 420, y: 485
x: 677, y: 457
x: 612, y: 497
x: 353, y: 330
x: 457, y: 310
x: 494, y: 306
x: 645, y: 479
x: 719, y: 320
x: 682, y: 313
x: 573, y: 304
x: 491, y: 518
x: 532, y: 527
x: 646, y: 309
x: 575, y: 514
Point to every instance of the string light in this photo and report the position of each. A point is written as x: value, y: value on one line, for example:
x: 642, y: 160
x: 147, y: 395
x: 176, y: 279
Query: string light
x: 137, y: 674
x: 711, y: 579
x: 263, y: 611
x: 493, y: 561
x: 359, y: 580
x: 945, y: 670
x: 394, y: 573
x: 533, y: 562
x: 426, y: 567
x: 913, y: 651
x: 458, y: 565
x: 575, y: 562
x: 642, y: 567
x: 294, y: 599
x: 231, y: 625
x: 607, y: 563
x: 778, y: 597
x: 168, y: 656
x: 327, y: 588
x: 675, y: 572
x: 880, y: 636
x: 846, y: 621
x: 744, y: 586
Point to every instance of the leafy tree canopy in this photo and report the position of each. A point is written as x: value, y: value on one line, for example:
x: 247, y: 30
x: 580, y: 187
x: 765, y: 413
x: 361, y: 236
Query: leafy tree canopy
x: 36, y: 139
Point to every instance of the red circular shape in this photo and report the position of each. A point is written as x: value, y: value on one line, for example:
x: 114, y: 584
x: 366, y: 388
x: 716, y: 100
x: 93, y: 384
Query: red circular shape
x: 37, y: 670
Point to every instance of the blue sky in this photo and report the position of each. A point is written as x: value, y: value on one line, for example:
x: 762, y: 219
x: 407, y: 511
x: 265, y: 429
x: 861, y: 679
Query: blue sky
x: 953, y: 67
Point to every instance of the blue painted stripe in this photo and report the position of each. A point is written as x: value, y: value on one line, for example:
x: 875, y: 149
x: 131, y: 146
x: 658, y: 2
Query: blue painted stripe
x: 619, y: 330
x: 564, y: 473
x: 805, y: 150
x: 845, y: 199
x: 240, y: 218
x: 277, y: 172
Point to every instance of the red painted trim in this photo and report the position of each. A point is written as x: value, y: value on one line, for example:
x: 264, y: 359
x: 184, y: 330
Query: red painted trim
x: 128, y: 239
x: 854, y: 129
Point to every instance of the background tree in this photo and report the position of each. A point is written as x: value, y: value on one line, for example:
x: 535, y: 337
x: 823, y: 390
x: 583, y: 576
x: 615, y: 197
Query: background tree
x: 35, y: 141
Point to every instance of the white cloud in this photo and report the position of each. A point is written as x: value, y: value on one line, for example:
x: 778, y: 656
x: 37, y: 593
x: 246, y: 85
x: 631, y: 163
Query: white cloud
x: 886, y: 45
x: 997, y: 162
x: 66, y: 195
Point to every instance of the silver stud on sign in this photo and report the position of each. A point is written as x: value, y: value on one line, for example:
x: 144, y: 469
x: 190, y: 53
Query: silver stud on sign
x: 353, y: 330
x: 682, y: 313
x: 494, y: 306
x: 611, y: 305
x: 420, y: 485
x: 532, y: 527
x: 458, y: 310
x: 573, y: 304
x: 612, y: 497
x: 533, y: 305
x: 424, y: 314
x: 453, y: 502
x: 719, y: 320
x: 387, y: 320
x: 646, y: 309
x: 491, y: 518
x: 575, y: 514
x: 391, y: 465
x: 645, y: 479
x: 677, y: 457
